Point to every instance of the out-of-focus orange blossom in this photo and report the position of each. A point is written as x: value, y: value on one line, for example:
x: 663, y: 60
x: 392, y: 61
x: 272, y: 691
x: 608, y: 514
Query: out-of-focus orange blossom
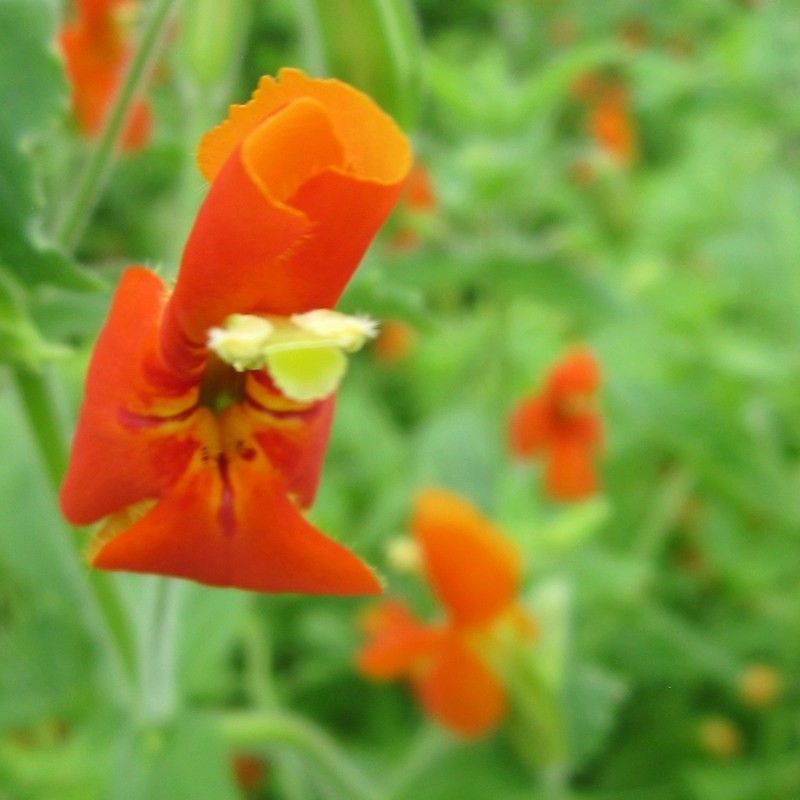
x: 561, y: 425
x: 474, y: 571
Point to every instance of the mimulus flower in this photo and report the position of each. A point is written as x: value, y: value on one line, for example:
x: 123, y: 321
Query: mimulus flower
x: 611, y: 125
x: 96, y: 47
x: 561, y: 425
x: 417, y: 201
x: 475, y: 572
x: 208, y: 407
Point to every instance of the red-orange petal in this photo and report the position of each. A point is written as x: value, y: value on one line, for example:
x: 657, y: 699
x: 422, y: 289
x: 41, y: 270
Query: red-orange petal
x: 235, y: 527
x: 303, y: 177
x: 293, y: 436
x: 611, y: 126
x: 119, y: 454
x: 578, y: 372
x: 459, y: 690
x: 529, y: 426
x: 95, y: 54
x: 472, y: 567
x: 570, y: 472
x: 398, y: 643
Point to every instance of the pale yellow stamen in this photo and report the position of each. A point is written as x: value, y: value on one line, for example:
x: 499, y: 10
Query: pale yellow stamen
x: 242, y: 341
x: 304, y: 354
x: 345, y: 331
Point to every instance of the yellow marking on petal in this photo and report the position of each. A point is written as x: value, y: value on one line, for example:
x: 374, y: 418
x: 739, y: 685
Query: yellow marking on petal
x: 116, y: 523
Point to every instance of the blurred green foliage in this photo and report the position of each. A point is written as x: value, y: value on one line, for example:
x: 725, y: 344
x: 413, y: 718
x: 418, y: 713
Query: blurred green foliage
x: 681, y: 272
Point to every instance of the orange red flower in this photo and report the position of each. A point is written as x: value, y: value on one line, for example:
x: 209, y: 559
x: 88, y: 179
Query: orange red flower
x: 395, y: 341
x: 96, y: 48
x: 609, y: 119
x: 207, y: 408
x: 611, y: 125
x: 474, y: 572
x: 561, y: 425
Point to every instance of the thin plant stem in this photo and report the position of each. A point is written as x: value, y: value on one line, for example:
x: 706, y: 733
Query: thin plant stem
x: 158, y: 651
x: 45, y: 421
x: 260, y: 687
x: 554, y: 781
x: 430, y: 746
x: 82, y: 202
x: 280, y: 729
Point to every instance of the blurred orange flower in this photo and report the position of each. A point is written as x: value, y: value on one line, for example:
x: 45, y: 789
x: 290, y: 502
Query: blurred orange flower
x: 418, y: 199
x: 561, y: 424
x: 207, y: 408
x: 394, y: 342
x: 96, y: 47
x: 475, y: 572
x: 611, y: 124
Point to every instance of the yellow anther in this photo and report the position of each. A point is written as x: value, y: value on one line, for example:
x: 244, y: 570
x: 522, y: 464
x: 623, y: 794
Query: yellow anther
x: 243, y: 341
x: 304, y: 353
x: 339, y: 330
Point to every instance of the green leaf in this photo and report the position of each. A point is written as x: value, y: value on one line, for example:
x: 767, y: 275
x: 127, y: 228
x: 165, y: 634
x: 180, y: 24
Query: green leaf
x: 32, y: 95
x: 593, y: 697
x: 31, y: 83
x: 20, y: 341
x: 457, y: 451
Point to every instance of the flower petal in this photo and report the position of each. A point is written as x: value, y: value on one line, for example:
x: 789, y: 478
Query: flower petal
x: 570, y: 472
x: 303, y: 177
x: 235, y: 526
x: 473, y: 568
x: 460, y: 691
x: 376, y: 150
x: 137, y: 431
x: 293, y: 436
x: 529, y: 426
x: 398, y: 643
x: 95, y: 54
x: 577, y: 373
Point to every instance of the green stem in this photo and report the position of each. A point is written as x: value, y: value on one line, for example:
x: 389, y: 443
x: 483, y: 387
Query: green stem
x: 84, y: 199
x: 554, y: 781
x: 98, y: 600
x: 94, y: 596
x: 431, y: 745
x: 45, y: 421
x: 158, y: 652
x: 280, y: 729
x: 262, y: 692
